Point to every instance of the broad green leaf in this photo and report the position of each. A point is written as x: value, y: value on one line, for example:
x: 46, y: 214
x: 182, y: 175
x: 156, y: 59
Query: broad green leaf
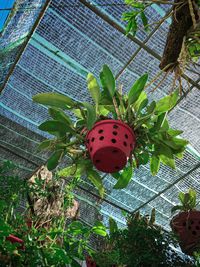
x: 160, y: 121
x: 91, y: 115
x: 154, y: 165
x: 141, y: 102
x: 166, y: 155
x: 96, y: 179
x: 59, y: 115
x: 103, y: 110
x: 68, y: 171
x: 77, y: 112
x: 54, y: 159
x: 45, y: 144
x: 94, y: 88
x: 54, y: 100
x: 167, y: 103
x: 53, y: 126
x: 143, y: 158
x: 108, y: 80
x: 174, y: 133
x: 181, y: 197
x: 112, y: 226
x: 175, y: 143
x: 137, y: 89
x: 124, y: 178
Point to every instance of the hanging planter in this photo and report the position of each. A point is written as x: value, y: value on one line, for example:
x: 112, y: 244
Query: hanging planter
x: 186, y: 224
x: 109, y: 144
x: 116, y: 135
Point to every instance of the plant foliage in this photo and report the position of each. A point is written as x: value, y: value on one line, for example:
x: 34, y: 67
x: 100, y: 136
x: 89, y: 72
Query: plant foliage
x: 187, y: 200
x: 48, y: 240
x: 156, y: 142
x: 141, y: 243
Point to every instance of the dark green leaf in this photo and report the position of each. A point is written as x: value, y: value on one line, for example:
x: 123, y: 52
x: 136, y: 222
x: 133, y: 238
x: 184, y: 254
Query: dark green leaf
x: 91, y: 115
x: 166, y: 155
x: 154, y: 165
x: 137, y: 89
x: 175, y: 208
x: 59, y: 115
x: 124, y: 178
x: 53, y: 126
x: 108, y: 80
x: 167, y: 103
x: 54, y: 159
x: 144, y: 20
x: 54, y: 100
x: 44, y: 145
x: 112, y: 226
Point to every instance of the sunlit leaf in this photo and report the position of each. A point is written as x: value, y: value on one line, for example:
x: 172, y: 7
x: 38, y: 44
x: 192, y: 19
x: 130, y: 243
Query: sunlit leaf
x: 137, y: 89
x: 108, y: 80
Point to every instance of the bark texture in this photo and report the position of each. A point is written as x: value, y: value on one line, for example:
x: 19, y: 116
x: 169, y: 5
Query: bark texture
x: 181, y: 23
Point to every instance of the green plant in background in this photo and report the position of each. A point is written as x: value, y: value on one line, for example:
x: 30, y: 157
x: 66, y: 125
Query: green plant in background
x: 141, y: 243
x: 51, y: 243
x: 132, y: 16
x: 156, y: 142
x: 187, y: 200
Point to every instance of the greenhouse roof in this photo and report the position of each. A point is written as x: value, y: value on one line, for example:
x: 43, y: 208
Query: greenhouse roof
x: 50, y: 46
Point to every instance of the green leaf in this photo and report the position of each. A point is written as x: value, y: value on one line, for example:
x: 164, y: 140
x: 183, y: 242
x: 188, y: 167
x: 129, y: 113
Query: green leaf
x: 167, y: 103
x: 54, y: 159
x: 59, y: 115
x: 181, y: 197
x: 154, y: 165
x: 44, y: 145
x: 96, y: 179
x: 137, y: 89
x: 108, y: 80
x: 125, y: 178
x: 112, y: 226
x: 144, y: 20
x: 142, y: 98
x: 91, y: 115
x: 53, y: 126
x: 54, y: 100
x: 68, y: 171
x: 94, y: 88
x: 99, y: 229
x: 175, y: 208
x: 166, y: 155
x: 173, y: 132
x: 160, y: 121
x: 175, y: 143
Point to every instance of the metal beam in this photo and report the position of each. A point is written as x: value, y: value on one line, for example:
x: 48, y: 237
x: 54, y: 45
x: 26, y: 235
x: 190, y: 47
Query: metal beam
x: 168, y: 187
x: 121, y: 29
x: 23, y: 47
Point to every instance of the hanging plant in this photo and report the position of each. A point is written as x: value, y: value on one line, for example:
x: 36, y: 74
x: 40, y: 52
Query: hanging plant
x: 182, y: 48
x: 119, y: 132
x: 186, y: 224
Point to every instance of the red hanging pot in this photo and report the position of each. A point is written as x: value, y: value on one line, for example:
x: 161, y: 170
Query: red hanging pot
x: 15, y: 239
x: 90, y: 262
x: 187, y: 226
x: 109, y: 144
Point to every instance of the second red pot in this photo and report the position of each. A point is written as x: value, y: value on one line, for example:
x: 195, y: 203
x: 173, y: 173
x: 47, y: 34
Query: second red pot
x: 109, y: 144
x: 187, y: 226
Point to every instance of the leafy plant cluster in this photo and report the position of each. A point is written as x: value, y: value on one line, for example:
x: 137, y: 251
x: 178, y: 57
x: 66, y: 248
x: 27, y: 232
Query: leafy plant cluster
x: 187, y: 200
x: 156, y: 142
x: 51, y: 244
x: 141, y: 243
